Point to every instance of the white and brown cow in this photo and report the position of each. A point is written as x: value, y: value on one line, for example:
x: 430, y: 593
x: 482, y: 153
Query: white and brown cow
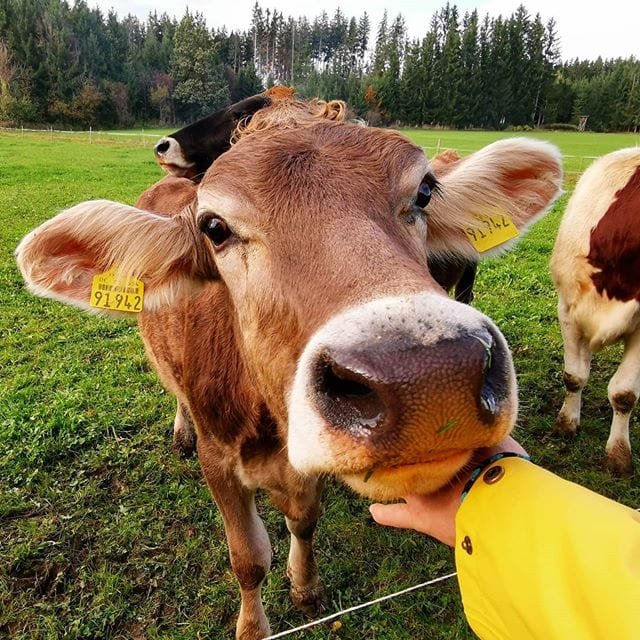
x: 596, y: 270
x: 290, y: 309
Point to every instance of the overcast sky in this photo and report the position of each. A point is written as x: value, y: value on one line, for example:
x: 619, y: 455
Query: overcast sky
x: 609, y: 30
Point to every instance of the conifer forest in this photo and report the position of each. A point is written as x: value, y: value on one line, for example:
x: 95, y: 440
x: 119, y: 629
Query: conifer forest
x: 69, y: 65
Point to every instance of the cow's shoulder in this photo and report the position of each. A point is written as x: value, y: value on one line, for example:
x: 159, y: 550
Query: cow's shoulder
x: 598, y: 242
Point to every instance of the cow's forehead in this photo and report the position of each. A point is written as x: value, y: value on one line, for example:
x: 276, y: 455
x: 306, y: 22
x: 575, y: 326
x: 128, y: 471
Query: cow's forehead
x: 350, y: 158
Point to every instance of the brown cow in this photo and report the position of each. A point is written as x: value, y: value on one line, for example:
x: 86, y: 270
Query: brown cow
x: 190, y: 151
x: 291, y: 311
x: 596, y: 270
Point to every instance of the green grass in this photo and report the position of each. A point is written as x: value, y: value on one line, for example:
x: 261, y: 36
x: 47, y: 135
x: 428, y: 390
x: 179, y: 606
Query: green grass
x: 104, y: 533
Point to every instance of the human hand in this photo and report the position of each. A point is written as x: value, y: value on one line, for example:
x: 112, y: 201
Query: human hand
x: 435, y: 514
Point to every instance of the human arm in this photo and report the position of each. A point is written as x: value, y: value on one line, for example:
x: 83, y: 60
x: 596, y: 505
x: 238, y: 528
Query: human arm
x: 548, y: 558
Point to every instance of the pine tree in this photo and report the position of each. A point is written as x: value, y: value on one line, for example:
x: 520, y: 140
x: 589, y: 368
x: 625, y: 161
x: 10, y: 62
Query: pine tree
x: 201, y: 86
x: 380, y: 56
x: 362, y: 41
x: 520, y: 107
x: 469, y: 89
x: 389, y: 82
x: 450, y: 67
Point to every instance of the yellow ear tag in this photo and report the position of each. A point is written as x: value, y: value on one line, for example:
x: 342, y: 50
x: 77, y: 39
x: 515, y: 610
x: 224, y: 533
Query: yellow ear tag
x: 493, y: 229
x: 116, y: 295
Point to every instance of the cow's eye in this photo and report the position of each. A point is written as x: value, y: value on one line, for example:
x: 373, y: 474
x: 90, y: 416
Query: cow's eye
x: 424, y: 195
x: 217, y: 230
x: 427, y: 187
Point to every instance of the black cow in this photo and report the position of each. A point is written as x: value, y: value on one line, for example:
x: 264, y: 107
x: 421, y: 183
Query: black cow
x: 457, y: 273
x: 189, y: 152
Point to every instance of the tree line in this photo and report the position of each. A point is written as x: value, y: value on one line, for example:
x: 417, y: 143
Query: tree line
x: 71, y: 65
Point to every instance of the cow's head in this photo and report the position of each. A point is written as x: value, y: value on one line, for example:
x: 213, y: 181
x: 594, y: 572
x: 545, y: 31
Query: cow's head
x: 320, y: 235
x: 190, y: 151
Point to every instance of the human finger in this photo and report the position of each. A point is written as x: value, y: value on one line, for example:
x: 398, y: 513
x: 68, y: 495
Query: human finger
x: 392, y: 515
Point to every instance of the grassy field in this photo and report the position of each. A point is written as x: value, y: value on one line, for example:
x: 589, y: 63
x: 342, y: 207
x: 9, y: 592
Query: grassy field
x: 104, y: 533
x: 579, y: 149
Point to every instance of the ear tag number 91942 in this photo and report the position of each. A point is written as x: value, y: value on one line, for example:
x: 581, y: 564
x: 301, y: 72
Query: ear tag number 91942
x: 108, y: 292
x: 492, y: 230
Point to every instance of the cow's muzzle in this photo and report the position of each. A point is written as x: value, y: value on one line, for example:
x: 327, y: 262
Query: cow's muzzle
x: 171, y: 158
x: 367, y: 392
x: 402, y: 384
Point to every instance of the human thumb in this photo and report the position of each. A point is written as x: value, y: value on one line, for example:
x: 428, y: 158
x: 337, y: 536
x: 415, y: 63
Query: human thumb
x: 392, y: 515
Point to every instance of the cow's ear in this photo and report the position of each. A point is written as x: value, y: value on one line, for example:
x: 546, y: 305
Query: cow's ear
x: 248, y: 106
x: 61, y: 257
x: 512, y: 182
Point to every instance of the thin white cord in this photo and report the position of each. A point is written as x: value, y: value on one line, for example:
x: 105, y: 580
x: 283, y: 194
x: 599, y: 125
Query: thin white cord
x: 282, y: 634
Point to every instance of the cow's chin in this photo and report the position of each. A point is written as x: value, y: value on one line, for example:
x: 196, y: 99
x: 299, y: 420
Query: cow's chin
x: 179, y: 171
x: 390, y: 483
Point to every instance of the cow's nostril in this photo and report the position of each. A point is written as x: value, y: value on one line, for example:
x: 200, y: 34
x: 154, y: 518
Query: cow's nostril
x: 493, y: 378
x: 380, y: 390
x: 162, y: 147
x: 339, y: 382
x: 348, y: 398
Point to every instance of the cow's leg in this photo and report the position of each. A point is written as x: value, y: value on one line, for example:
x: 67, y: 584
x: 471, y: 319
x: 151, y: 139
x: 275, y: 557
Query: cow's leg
x: 301, y: 515
x: 577, y: 363
x: 249, y: 546
x: 184, y: 432
x: 624, y: 389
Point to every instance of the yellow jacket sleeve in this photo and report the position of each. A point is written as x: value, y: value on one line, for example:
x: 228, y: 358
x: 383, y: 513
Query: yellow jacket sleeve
x: 542, y: 558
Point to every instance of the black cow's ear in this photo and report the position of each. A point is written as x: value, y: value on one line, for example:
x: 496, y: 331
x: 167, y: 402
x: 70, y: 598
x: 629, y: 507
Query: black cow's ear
x: 249, y: 106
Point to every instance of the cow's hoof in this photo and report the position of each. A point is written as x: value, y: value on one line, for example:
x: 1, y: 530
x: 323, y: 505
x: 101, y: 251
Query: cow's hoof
x: 618, y: 460
x: 308, y: 600
x: 184, y: 444
x: 566, y: 426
